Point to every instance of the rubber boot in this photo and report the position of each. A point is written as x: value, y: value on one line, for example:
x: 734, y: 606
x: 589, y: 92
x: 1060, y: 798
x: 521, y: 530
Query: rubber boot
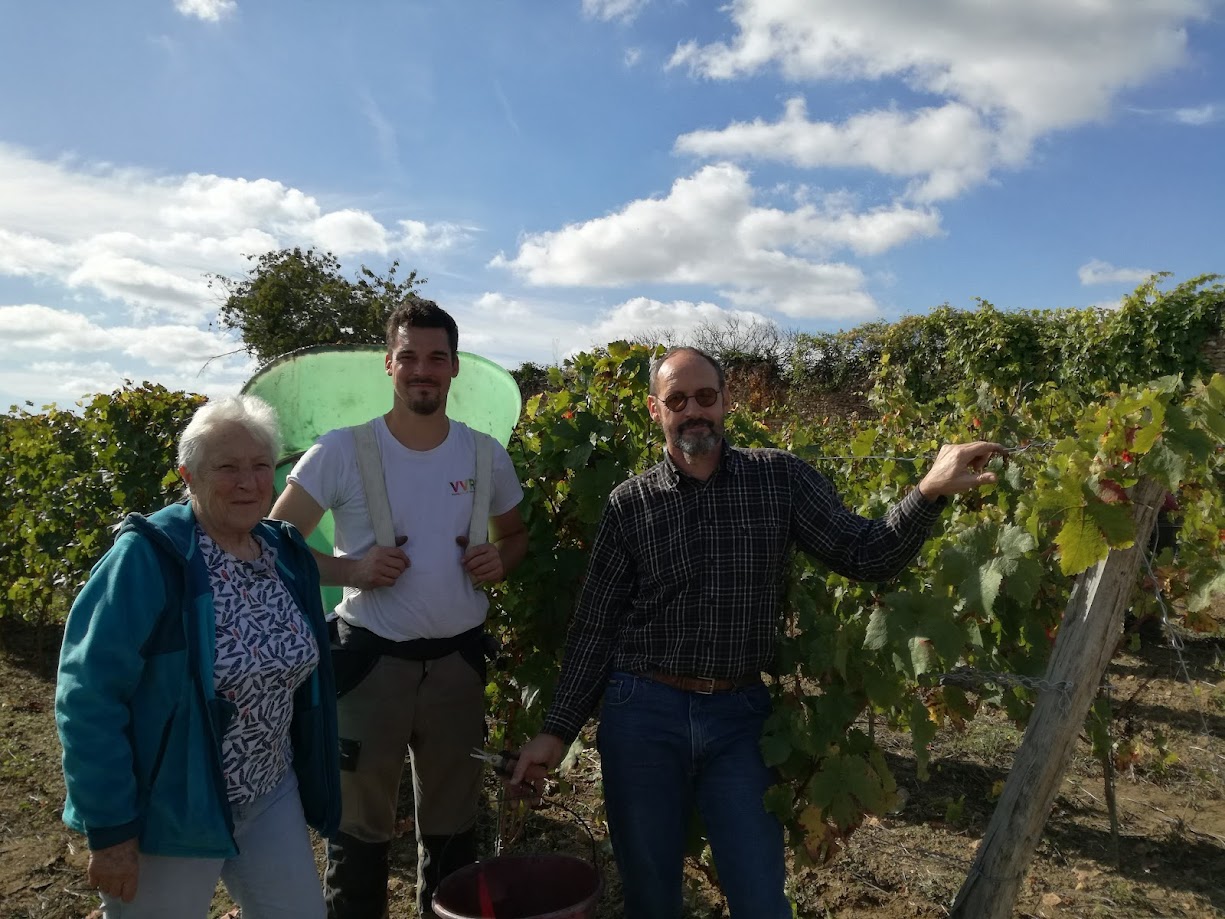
x: 438, y: 856
x: 355, y: 885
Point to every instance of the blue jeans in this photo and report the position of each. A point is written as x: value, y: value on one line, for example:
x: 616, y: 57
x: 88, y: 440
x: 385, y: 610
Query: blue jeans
x: 272, y: 877
x: 663, y: 751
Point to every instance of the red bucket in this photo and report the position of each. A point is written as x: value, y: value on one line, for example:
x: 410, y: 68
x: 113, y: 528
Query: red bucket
x: 521, y: 887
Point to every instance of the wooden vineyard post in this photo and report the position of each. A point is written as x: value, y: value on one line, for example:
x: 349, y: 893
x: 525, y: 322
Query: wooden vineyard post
x: 1083, y: 648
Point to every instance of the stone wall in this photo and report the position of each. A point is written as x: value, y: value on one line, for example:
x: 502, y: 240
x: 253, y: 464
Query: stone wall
x: 759, y: 388
x: 1214, y: 350
x: 756, y: 389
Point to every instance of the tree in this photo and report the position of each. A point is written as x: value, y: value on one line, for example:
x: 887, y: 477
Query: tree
x: 293, y: 298
x: 532, y: 378
x: 733, y: 340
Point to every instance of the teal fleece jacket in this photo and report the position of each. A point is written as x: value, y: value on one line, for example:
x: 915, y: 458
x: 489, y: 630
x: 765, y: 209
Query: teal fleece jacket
x: 135, y: 706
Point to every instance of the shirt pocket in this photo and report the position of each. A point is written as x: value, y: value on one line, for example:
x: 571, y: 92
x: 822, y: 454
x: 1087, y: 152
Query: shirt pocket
x: 757, y: 547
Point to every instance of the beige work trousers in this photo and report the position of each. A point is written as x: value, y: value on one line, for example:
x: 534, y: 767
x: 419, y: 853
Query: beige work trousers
x: 436, y: 711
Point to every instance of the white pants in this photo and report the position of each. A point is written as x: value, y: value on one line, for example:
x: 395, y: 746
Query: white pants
x: 272, y: 877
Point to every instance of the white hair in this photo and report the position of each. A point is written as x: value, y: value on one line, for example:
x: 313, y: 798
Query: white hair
x: 253, y: 413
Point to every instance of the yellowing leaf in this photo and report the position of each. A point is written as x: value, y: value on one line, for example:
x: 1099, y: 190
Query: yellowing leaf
x: 1081, y: 544
x: 820, y: 843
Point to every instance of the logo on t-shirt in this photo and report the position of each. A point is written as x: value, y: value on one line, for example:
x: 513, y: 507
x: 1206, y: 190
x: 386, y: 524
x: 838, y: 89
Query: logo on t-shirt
x: 463, y: 486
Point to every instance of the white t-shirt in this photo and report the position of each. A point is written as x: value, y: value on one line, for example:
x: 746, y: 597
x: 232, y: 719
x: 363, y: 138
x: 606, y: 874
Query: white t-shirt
x: 430, y: 492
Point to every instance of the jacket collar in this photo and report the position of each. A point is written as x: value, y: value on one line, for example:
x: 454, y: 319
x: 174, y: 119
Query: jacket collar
x: 173, y: 528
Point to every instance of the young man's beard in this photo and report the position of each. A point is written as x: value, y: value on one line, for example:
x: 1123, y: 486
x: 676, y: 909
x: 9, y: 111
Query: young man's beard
x: 426, y: 403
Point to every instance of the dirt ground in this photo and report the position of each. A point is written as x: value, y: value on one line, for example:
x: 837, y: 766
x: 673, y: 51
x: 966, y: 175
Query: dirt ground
x: 1170, y: 740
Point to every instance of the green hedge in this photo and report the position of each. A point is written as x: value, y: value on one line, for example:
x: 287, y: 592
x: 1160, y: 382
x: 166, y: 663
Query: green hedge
x: 1152, y: 334
x: 66, y: 478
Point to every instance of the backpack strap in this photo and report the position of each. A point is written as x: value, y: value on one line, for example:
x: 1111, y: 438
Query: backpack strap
x: 370, y: 467
x: 478, y: 525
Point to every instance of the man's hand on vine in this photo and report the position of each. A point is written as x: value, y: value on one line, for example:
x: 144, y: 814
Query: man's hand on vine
x: 959, y: 468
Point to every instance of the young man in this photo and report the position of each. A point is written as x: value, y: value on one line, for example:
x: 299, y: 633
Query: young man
x: 677, y: 620
x: 409, y: 652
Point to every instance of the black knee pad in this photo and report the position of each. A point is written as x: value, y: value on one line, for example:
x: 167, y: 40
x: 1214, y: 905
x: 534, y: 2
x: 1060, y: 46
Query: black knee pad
x: 355, y: 885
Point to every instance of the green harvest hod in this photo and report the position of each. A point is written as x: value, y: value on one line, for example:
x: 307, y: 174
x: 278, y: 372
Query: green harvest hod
x: 332, y: 386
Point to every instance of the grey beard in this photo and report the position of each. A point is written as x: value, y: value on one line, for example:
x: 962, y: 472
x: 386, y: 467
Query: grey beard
x: 698, y: 444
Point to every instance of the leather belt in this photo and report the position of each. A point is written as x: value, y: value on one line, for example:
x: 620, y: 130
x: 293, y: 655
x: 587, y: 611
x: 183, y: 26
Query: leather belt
x: 703, y: 684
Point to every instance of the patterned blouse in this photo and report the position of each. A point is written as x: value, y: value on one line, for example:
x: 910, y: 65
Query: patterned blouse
x: 265, y: 651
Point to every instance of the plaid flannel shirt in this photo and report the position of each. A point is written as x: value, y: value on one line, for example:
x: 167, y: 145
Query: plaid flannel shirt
x: 687, y: 577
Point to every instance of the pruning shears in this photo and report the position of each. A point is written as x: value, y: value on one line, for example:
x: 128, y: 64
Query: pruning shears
x: 503, y: 763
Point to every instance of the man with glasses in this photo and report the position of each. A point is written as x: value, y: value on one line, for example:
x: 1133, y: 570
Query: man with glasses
x: 677, y: 621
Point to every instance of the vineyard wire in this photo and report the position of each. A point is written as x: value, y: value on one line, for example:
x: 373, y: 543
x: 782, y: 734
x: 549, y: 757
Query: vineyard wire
x: 967, y: 675
x: 1009, y: 451
x: 1174, y: 641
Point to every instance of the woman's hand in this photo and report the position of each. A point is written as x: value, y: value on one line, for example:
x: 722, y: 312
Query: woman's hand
x: 114, y: 870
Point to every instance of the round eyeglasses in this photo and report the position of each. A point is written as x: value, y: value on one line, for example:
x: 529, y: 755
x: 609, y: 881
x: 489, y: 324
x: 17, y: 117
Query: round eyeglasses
x: 678, y: 400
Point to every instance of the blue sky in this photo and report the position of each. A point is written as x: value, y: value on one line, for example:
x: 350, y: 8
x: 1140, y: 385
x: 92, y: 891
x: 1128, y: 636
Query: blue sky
x: 566, y: 173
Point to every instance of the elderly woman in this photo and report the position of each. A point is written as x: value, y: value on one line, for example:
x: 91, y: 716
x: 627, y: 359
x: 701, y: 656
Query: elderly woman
x: 195, y: 700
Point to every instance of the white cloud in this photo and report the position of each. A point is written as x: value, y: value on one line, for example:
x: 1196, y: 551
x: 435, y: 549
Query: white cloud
x: 58, y: 382
x: 1047, y: 62
x: 190, y: 348
x: 67, y: 382
x: 678, y: 318
x: 416, y: 236
x: 207, y: 10
x: 349, y: 231
x: 149, y: 289
x: 508, y: 111
x: 148, y: 241
x: 708, y: 231
x: 613, y: 10
x: 632, y: 56
x: 1098, y: 272
x: 136, y: 249
x: 501, y: 308
x: 218, y: 205
x: 511, y: 330
x: 386, y: 139
x: 1008, y: 73
x: 23, y: 254
x: 949, y: 148
x: 54, y: 341
x: 1199, y: 115
x: 41, y: 328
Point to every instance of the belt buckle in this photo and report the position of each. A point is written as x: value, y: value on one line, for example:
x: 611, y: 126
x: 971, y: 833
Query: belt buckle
x: 710, y: 691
